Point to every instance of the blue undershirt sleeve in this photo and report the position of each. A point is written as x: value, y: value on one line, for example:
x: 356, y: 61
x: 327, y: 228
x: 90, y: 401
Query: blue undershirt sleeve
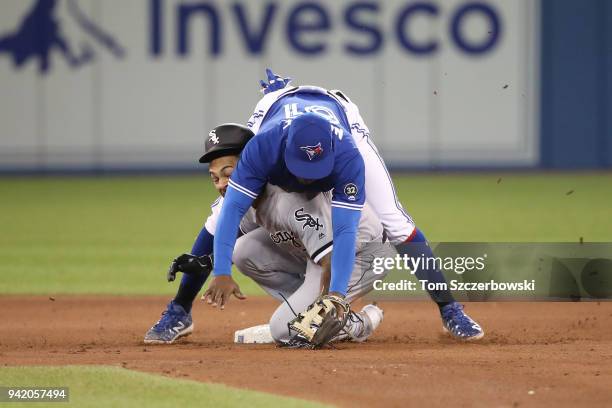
x: 345, y: 223
x: 235, y: 205
x: 203, y: 244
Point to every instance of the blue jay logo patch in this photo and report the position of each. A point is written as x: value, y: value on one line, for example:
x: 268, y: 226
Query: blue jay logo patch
x: 350, y: 190
x: 312, y: 151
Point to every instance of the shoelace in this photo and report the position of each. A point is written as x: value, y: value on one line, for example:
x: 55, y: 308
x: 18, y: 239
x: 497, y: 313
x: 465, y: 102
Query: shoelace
x: 456, y: 315
x: 354, y: 318
x: 165, y: 322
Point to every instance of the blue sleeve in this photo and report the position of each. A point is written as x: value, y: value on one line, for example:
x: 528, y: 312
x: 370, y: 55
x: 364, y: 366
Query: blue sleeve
x: 254, y: 166
x: 245, y: 184
x: 349, y: 186
x: 345, y: 223
x: 235, y: 205
x: 203, y: 244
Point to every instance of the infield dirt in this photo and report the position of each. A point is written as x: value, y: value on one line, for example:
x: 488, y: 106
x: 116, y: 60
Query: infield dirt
x: 533, y: 354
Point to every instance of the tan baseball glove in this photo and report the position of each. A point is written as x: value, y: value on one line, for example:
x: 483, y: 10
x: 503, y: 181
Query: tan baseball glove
x: 320, y: 323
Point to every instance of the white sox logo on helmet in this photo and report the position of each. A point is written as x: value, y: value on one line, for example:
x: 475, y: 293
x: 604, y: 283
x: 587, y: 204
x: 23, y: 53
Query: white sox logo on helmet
x: 213, y: 137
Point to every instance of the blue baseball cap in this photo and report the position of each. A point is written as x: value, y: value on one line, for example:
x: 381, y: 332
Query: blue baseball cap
x: 309, y: 152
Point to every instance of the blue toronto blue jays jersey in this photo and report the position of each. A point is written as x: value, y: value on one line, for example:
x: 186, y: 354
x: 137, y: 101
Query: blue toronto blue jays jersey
x: 263, y: 161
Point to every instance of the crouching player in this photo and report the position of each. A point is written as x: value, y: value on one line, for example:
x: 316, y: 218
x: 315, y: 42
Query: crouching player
x: 278, y: 263
x: 278, y: 123
x: 300, y: 225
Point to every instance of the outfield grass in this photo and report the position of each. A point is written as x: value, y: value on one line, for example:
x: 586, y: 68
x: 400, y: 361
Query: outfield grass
x: 117, y: 235
x: 98, y: 386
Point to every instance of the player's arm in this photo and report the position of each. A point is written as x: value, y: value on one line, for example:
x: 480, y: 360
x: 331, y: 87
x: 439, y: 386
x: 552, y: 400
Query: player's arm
x: 203, y: 244
x: 347, y: 201
x: 236, y: 204
x: 223, y: 286
x: 345, y: 223
x: 331, y: 311
x: 245, y: 184
x: 310, y: 221
x: 325, y: 264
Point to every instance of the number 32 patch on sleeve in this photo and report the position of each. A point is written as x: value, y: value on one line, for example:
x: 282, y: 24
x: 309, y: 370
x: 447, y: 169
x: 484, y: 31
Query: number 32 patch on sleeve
x: 350, y: 190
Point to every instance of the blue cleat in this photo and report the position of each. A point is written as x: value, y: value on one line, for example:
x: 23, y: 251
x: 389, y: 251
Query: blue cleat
x: 173, y: 324
x: 458, y: 324
x: 275, y: 82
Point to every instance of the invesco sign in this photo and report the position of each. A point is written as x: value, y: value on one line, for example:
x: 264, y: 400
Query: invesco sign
x: 309, y: 25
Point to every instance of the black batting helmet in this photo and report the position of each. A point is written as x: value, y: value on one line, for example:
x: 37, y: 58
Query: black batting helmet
x: 224, y: 140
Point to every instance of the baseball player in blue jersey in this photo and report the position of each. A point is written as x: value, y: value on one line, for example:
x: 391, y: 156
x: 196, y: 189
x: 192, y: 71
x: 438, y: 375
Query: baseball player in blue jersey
x: 299, y: 220
x: 311, y: 139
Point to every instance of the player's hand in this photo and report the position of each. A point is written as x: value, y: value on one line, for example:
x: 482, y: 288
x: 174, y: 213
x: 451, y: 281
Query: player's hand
x: 220, y: 290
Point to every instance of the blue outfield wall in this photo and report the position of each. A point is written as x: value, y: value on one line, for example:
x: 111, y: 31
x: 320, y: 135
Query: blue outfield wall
x: 576, y: 84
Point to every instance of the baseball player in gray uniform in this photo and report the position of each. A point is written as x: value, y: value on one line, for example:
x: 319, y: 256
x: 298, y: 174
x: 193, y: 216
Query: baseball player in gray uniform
x: 300, y: 225
x: 277, y: 260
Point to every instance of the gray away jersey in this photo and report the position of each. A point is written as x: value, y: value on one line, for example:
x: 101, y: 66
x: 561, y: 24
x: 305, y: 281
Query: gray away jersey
x: 302, y: 225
